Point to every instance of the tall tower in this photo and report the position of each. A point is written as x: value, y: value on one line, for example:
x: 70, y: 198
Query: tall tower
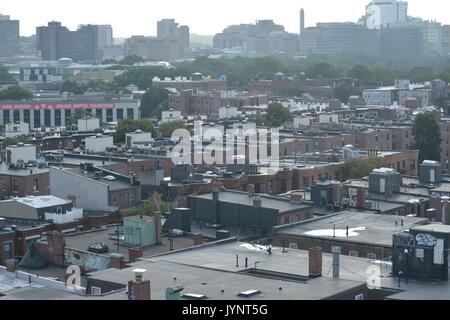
x: 302, y: 21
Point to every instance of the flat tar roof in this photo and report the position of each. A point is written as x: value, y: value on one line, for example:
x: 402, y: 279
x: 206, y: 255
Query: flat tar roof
x: 236, y: 197
x: 369, y: 228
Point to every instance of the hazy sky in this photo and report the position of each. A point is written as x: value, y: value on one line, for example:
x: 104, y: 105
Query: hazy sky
x: 202, y: 16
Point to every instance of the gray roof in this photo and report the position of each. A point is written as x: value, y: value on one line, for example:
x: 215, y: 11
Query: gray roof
x: 237, y: 197
x: 116, y: 184
x: 209, y: 282
x: 369, y: 228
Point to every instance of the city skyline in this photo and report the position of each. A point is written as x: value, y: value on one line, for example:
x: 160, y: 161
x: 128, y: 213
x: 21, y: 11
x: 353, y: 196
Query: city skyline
x: 285, y: 12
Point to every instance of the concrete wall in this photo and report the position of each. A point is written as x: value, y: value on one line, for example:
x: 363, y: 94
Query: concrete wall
x: 89, y: 194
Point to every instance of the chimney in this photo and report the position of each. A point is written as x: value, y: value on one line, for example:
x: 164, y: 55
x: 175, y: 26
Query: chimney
x: 257, y: 202
x: 431, y: 214
x: 139, y: 289
x: 197, y: 239
x: 361, y: 198
x: 296, y: 197
x: 336, y: 252
x: 250, y: 189
x: 315, y: 262
x: 216, y: 188
x: 134, y: 254
x: 158, y: 225
x: 116, y: 261
x: 302, y: 21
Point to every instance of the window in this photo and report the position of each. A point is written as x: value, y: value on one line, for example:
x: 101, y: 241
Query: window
x: 286, y: 220
x: 372, y: 256
x: 114, y: 200
x: 16, y: 185
x: 96, y: 291
x: 7, y: 250
x: 293, y: 246
x: 353, y: 253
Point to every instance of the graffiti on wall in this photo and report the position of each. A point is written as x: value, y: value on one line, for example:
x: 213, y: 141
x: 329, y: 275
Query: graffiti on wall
x: 88, y: 261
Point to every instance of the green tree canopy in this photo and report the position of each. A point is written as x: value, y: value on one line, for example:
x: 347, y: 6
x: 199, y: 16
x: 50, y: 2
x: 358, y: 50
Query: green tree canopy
x: 131, y: 60
x: 154, y: 101
x: 5, y: 76
x: 109, y: 61
x: 343, y: 91
x: 129, y: 125
x: 427, y: 137
x: 15, y: 93
x: 360, y: 72
x: 323, y: 70
x: 73, y: 87
x: 166, y: 129
x: 358, y: 168
x: 277, y: 115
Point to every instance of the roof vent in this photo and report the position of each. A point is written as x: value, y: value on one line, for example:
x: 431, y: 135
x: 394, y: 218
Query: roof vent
x: 110, y: 178
x: 249, y: 293
x: 194, y: 296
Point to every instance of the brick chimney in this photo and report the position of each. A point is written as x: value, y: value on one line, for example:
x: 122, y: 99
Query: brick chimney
x: 250, y: 189
x: 197, y: 239
x: 134, y: 254
x: 315, y: 262
x: 116, y: 261
x: 158, y: 226
x: 139, y: 289
x: 56, y: 246
x: 257, y: 202
x: 296, y: 197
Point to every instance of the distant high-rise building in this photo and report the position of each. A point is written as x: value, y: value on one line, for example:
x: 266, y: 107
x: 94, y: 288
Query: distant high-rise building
x: 171, y: 43
x: 166, y: 28
x: 302, y: 21
x: 9, y: 36
x: 263, y: 37
x: 338, y: 39
x: 105, y: 36
x: 55, y: 42
x: 384, y: 13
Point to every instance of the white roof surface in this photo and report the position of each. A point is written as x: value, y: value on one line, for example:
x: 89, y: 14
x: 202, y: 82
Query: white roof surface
x: 41, y: 201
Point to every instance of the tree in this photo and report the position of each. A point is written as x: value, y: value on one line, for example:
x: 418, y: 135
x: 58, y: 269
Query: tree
x: 151, y: 205
x: 277, y: 115
x: 427, y: 137
x: 78, y: 114
x: 358, y: 168
x: 131, y: 60
x: 154, y: 101
x: 360, y: 72
x: 166, y: 129
x: 323, y: 70
x: 109, y: 61
x: 343, y: 91
x: 129, y: 125
x: 15, y: 93
x: 73, y: 87
x: 5, y: 76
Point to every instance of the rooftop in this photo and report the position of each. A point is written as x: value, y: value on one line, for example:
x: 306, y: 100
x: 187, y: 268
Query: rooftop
x: 236, y: 197
x: 38, y: 202
x: 367, y: 228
